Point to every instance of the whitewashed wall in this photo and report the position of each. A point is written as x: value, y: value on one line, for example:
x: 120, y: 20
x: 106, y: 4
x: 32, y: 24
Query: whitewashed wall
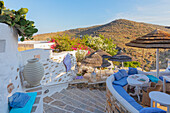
x: 9, y: 65
x: 12, y: 63
x: 55, y: 71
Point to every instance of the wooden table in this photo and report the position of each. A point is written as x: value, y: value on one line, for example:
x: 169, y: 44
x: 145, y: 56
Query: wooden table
x: 160, y: 97
x: 164, y: 82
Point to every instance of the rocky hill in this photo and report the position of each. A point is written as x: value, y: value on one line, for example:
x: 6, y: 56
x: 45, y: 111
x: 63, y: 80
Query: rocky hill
x: 121, y: 31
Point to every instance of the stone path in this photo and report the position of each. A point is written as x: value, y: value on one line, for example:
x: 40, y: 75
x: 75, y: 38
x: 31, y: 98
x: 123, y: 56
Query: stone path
x: 74, y: 100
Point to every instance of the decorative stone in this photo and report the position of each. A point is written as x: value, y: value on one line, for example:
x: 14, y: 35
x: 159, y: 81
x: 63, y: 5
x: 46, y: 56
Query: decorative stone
x: 10, y: 87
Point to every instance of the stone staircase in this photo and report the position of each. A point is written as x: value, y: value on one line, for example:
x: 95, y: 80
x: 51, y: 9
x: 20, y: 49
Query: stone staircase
x: 75, y: 100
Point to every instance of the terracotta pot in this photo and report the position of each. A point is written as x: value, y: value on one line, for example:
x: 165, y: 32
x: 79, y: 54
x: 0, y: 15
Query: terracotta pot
x: 33, y: 72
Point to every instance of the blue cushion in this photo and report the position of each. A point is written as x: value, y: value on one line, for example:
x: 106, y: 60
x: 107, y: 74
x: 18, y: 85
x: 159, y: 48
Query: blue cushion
x: 28, y: 107
x: 151, y: 110
x: 123, y: 72
x: 160, y: 77
x: 136, y: 105
x: 122, y: 82
x: 18, y: 100
x: 117, y: 75
x: 153, y: 78
x: 127, y: 97
x: 132, y: 71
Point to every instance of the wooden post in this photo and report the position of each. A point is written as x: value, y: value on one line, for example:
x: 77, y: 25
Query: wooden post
x: 157, y: 63
x: 142, y: 59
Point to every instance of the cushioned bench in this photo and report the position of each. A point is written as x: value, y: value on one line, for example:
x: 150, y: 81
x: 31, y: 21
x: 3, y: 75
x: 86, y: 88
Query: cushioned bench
x: 115, y: 84
x: 127, y: 97
x: 122, y: 82
x: 160, y: 77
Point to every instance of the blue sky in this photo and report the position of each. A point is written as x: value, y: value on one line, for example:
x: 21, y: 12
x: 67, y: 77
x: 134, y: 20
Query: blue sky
x: 59, y: 15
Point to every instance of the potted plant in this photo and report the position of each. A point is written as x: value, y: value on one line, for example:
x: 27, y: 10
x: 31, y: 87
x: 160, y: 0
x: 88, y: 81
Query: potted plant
x: 17, y: 19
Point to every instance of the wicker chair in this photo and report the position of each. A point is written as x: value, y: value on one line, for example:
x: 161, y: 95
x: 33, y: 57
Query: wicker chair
x: 153, y: 87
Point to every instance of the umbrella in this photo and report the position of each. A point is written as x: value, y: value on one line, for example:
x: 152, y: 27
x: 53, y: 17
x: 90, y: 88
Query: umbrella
x: 121, y: 57
x: 96, y: 60
x: 156, y: 39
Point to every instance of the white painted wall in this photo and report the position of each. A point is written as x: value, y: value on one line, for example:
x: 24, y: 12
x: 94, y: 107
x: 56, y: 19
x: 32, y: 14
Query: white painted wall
x: 38, y: 44
x: 9, y: 65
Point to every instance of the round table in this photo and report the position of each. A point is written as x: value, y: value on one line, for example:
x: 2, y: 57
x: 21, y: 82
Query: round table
x: 160, y: 97
x: 137, y: 80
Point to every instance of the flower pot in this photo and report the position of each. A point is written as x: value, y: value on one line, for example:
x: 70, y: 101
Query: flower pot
x: 33, y: 72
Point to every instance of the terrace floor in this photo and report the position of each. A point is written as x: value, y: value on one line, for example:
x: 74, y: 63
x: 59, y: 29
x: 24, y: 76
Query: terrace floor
x: 75, y: 100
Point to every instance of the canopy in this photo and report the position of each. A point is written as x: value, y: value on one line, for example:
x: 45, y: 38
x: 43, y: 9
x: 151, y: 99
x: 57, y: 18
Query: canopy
x: 96, y: 60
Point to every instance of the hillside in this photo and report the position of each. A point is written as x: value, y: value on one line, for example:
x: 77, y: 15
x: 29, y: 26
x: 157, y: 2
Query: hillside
x: 121, y: 31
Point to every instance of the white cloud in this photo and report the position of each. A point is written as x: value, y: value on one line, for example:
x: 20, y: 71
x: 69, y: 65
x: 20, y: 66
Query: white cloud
x: 155, y: 13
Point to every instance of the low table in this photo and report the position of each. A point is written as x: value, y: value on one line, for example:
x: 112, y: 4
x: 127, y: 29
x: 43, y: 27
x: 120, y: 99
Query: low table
x: 160, y: 97
x: 164, y: 82
x: 137, y: 80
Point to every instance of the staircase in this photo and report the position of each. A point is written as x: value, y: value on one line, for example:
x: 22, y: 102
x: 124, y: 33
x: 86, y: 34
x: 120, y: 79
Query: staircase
x: 75, y: 100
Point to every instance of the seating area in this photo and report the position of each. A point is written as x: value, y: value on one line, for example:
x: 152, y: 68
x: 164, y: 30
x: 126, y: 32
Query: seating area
x: 118, y: 98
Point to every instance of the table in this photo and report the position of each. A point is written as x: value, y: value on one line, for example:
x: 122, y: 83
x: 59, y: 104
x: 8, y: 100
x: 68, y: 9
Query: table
x: 160, y: 97
x: 136, y: 80
x: 164, y: 82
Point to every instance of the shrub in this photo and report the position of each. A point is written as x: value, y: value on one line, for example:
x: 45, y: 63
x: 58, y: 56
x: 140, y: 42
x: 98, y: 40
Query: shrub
x: 18, y: 20
x: 133, y: 64
x: 80, y: 55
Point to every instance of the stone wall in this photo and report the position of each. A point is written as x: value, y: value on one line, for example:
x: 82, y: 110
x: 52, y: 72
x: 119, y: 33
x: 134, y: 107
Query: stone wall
x: 113, y: 105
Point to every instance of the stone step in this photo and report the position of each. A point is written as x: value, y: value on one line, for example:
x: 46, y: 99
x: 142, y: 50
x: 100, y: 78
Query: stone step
x: 54, y: 109
x: 100, y: 93
x: 49, y: 101
x: 86, y: 96
x: 82, y: 100
x: 72, y: 102
x: 94, y: 95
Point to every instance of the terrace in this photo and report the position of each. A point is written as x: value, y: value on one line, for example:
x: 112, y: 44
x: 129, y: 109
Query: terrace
x: 61, y: 90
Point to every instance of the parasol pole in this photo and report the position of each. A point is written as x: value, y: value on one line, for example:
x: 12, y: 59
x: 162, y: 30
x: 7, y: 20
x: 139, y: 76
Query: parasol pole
x: 157, y: 63
x: 122, y: 65
x: 143, y: 59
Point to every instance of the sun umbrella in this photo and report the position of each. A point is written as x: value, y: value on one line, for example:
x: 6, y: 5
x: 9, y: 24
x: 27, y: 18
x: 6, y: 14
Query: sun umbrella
x: 156, y: 39
x: 121, y: 57
x: 96, y: 60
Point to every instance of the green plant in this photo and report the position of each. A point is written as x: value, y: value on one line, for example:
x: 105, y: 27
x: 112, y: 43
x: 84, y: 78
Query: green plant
x: 133, y: 64
x: 18, y: 20
x: 96, y: 43
x: 80, y: 55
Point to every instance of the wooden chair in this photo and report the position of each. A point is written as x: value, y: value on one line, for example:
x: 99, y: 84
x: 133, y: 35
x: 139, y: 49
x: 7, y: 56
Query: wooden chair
x: 153, y: 87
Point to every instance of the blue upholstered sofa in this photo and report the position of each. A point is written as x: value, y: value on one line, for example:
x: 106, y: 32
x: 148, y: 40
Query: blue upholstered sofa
x: 124, y: 101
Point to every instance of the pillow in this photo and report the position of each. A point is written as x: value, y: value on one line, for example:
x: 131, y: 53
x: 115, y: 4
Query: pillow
x: 132, y: 71
x: 67, y: 62
x: 18, y: 100
x: 153, y: 78
x: 123, y: 72
x: 117, y: 75
x: 28, y: 107
x: 151, y: 110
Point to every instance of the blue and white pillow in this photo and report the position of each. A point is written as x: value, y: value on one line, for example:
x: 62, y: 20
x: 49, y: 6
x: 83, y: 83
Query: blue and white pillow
x: 118, y: 75
x: 132, y: 71
x: 123, y: 72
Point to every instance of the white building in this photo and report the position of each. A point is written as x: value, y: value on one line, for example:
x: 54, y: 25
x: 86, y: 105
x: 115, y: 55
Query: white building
x: 35, y: 44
